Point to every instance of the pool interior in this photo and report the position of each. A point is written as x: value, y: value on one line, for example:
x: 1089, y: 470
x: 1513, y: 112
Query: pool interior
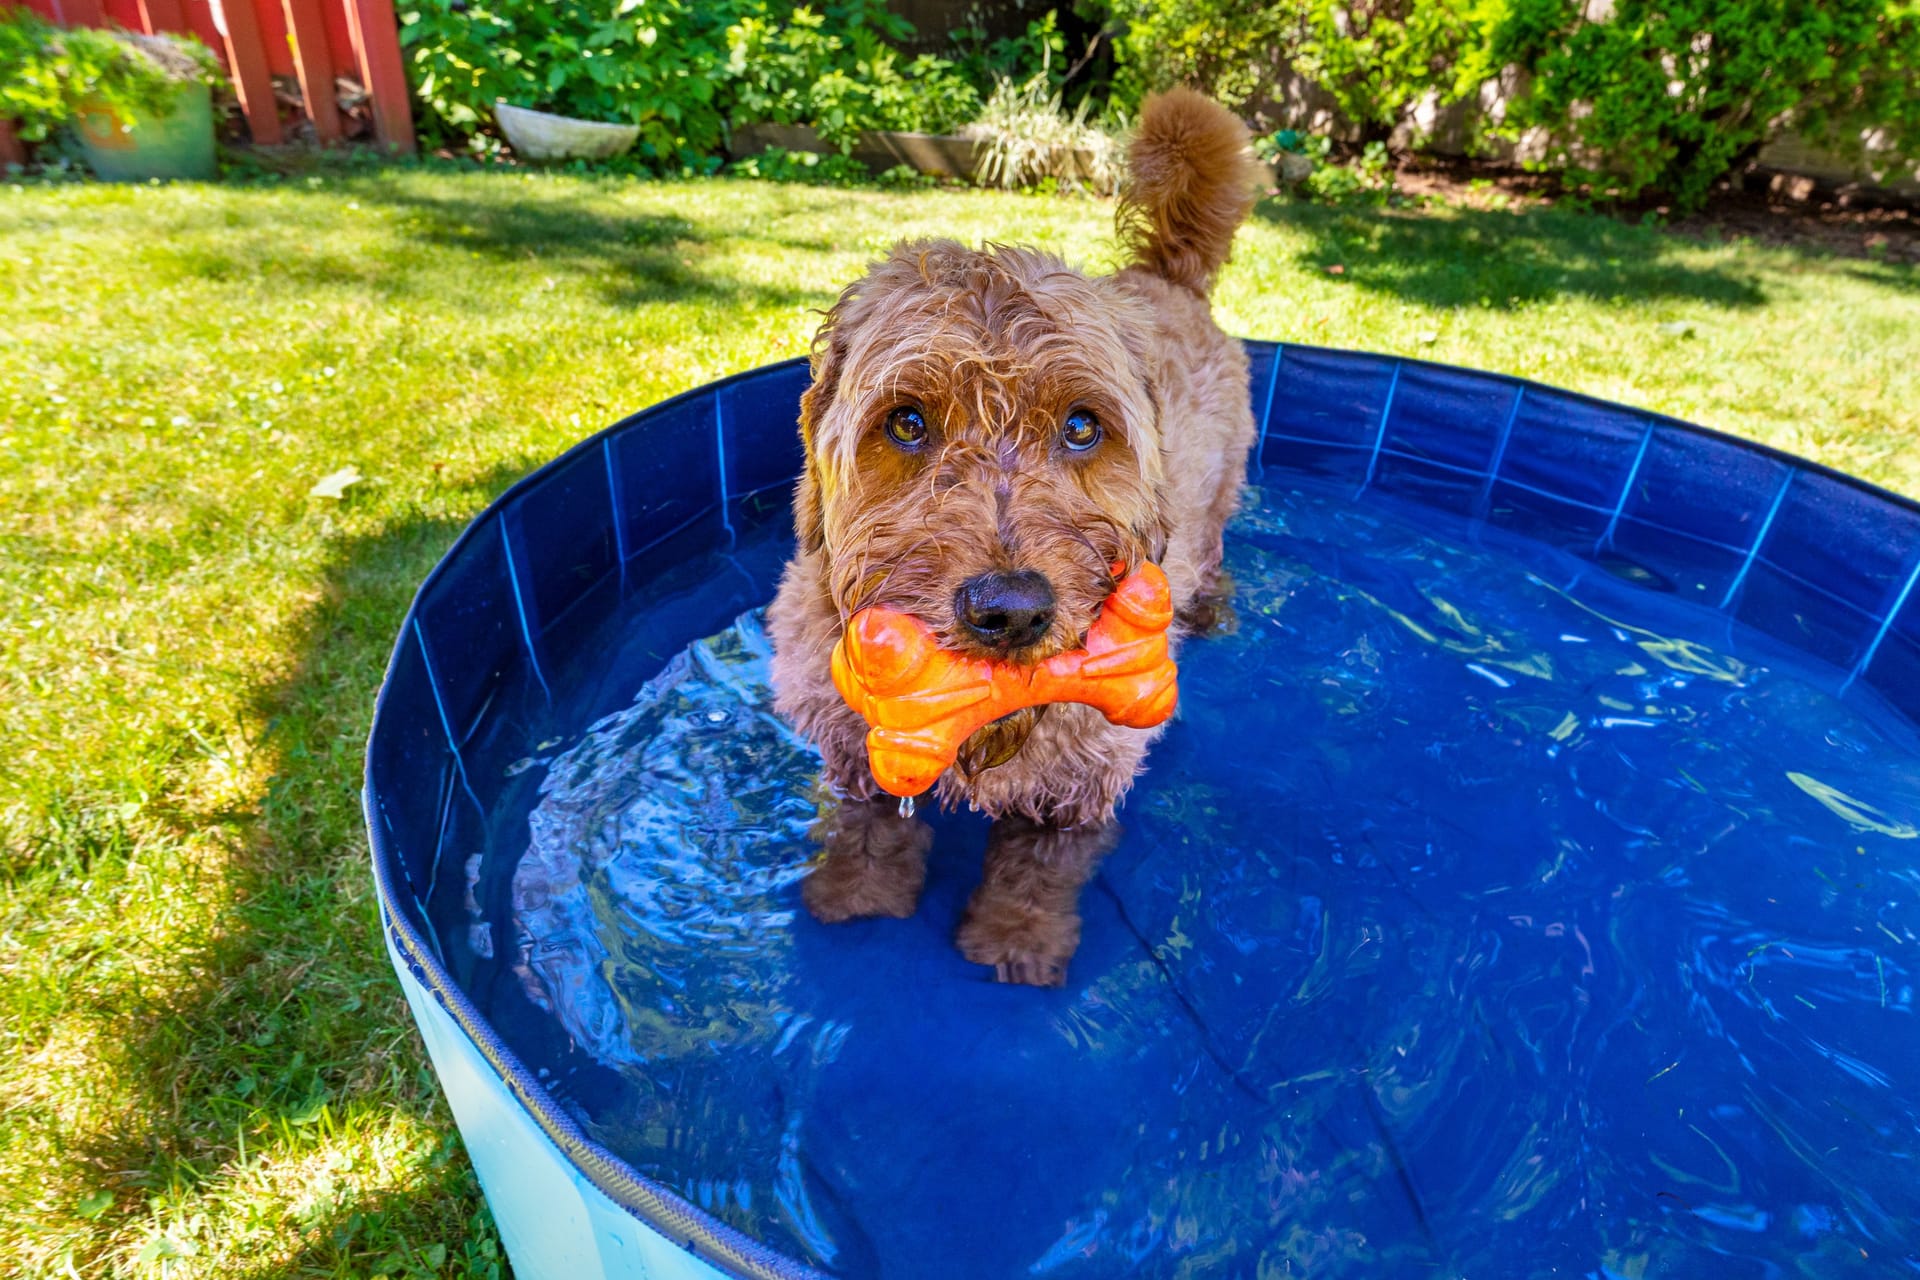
x: 1487, y: 909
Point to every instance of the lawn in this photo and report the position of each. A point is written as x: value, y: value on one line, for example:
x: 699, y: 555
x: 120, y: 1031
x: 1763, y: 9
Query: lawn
x: 205, y: 1066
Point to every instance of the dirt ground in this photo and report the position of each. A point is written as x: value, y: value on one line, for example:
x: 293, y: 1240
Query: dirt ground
x: 1759, y: 205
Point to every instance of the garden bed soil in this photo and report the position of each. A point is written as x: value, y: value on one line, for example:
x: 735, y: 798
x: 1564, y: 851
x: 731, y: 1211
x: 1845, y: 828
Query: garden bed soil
x: 1761, y: 205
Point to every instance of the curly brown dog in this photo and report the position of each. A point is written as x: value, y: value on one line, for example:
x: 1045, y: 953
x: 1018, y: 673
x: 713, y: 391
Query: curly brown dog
x: 987, y: 434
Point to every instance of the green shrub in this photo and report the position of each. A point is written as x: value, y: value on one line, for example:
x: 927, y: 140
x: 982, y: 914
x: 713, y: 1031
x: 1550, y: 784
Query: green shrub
x: 683, y: 70
x: 835, y: 70
x: 777, y: 164
x: 1671, y: 94
x: 1378, y: 57
x: 1040, y: 50
x: 1233, y: 50
x: 1665, y: 95
x: 1034, y: 142
x: 654, y: 63
x: 1374, y: 57
x: 48, y: 74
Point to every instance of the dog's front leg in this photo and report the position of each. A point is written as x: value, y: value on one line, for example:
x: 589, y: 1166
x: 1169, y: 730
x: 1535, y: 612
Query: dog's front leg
x: 875, y: 861
x: 1024, y: 919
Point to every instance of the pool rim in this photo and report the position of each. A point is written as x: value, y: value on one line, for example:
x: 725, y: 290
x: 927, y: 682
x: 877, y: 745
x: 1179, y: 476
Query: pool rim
x: 656, y: 1206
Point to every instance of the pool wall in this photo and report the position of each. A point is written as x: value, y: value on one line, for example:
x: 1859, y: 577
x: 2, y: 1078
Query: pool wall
x: 1811, y: 558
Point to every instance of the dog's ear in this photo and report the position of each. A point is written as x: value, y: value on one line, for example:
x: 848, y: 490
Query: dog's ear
x: 809, y: 517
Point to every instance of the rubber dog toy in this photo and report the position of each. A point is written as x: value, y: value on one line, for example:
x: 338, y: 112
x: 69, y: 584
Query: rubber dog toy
x: 922, y: 702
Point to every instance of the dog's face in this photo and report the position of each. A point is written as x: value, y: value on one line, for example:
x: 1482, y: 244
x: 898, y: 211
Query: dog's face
x: 982, y: 447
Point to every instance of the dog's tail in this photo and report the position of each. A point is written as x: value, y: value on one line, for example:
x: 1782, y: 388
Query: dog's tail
x: 1190, y: 183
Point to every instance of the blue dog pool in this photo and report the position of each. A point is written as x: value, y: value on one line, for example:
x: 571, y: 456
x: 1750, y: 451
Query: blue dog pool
x: 1528, y: 886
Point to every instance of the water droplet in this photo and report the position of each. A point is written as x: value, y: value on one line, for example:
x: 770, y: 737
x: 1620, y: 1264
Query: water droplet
x: 907, y: 808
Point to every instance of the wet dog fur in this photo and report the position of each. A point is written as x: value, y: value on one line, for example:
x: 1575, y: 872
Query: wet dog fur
x: 935, y: 455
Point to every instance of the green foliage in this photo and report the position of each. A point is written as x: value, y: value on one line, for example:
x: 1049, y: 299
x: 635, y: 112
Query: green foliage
x: 1040, y: 50
x: 1365, y: 180
x: 1378, y: 57
x: 835, y: 70
x: 777, y: 164
x: 1235, y: 51
x: 1374, y: 57
x: 1034, y: 142
x: 1670, y: 94
x: 683, y: 70
x: 1655, y: 94
x: 654, y: 63
x: 49, y: 74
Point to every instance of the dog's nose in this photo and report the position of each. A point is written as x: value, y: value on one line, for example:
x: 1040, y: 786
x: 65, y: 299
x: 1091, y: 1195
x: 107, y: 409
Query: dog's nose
x: 1006, y: 610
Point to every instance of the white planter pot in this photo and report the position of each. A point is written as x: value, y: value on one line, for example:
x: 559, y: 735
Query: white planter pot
x: 541, y: 135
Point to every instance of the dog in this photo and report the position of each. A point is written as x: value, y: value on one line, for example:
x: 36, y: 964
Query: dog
x: 990, y: 437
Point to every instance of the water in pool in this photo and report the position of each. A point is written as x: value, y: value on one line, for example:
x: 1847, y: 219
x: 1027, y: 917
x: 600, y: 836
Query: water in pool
x: 1483, y: 913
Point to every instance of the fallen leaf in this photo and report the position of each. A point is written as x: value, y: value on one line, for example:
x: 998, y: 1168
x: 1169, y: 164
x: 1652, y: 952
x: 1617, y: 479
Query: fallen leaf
x: 1336, y: 270
x: 335, y: 486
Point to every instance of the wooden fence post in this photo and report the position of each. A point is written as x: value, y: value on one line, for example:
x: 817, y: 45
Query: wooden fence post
x: 314, y: 66
x: 247, y: 62
x: 376, y: 39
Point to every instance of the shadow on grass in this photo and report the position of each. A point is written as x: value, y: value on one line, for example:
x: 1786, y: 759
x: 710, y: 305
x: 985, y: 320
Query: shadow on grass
x: 631, y: 257
x: 1906, y: 279
x: 292, y: 1028
x: 1485, y: 258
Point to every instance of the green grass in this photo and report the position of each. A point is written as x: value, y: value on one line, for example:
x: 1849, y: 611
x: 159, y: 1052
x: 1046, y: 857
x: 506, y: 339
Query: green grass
x: 205, y: 1067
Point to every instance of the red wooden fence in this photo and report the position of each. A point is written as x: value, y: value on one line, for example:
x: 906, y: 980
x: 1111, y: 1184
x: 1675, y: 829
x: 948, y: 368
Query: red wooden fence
x: 311, y: 41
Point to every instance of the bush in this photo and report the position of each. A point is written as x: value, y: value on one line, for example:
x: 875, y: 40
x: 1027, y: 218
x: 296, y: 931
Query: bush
x: 682, y: 70
x: 1374, y: 57
x: 654, y: 63
x: 48, y: 74
x: 1671, y: 94
x: 1032, y: 141
x: 1660, y: 94
x: 1040, y: 50
x: 835, y: 71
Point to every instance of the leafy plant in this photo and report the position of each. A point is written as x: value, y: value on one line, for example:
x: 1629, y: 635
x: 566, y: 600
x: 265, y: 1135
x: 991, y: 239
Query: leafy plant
x: 1031, y: 139
x: 1670, y: 94
x: 777, y: 164
x: 658, y: 64
x: 1039, y: 50
x: 1367, y: 179
x: 835, y: 70
x: 1378, y: 57
x: 1236, y: 51
x: 1373, y: 57
x: 683, y: 70
x: 49, y: 74
x: 1636, y: 95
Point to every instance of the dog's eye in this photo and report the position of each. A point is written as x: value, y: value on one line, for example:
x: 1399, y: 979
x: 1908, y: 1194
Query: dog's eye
x: 1081, y: 431
x: 906, y: 427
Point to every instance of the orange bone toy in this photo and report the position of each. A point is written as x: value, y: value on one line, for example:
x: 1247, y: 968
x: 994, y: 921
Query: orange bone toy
x: 922, y: 702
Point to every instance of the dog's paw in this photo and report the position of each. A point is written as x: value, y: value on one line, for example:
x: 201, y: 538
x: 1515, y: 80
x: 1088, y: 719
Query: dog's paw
x: 1032, y: 971
x: 854, y: 888
x: 1029, y: 953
